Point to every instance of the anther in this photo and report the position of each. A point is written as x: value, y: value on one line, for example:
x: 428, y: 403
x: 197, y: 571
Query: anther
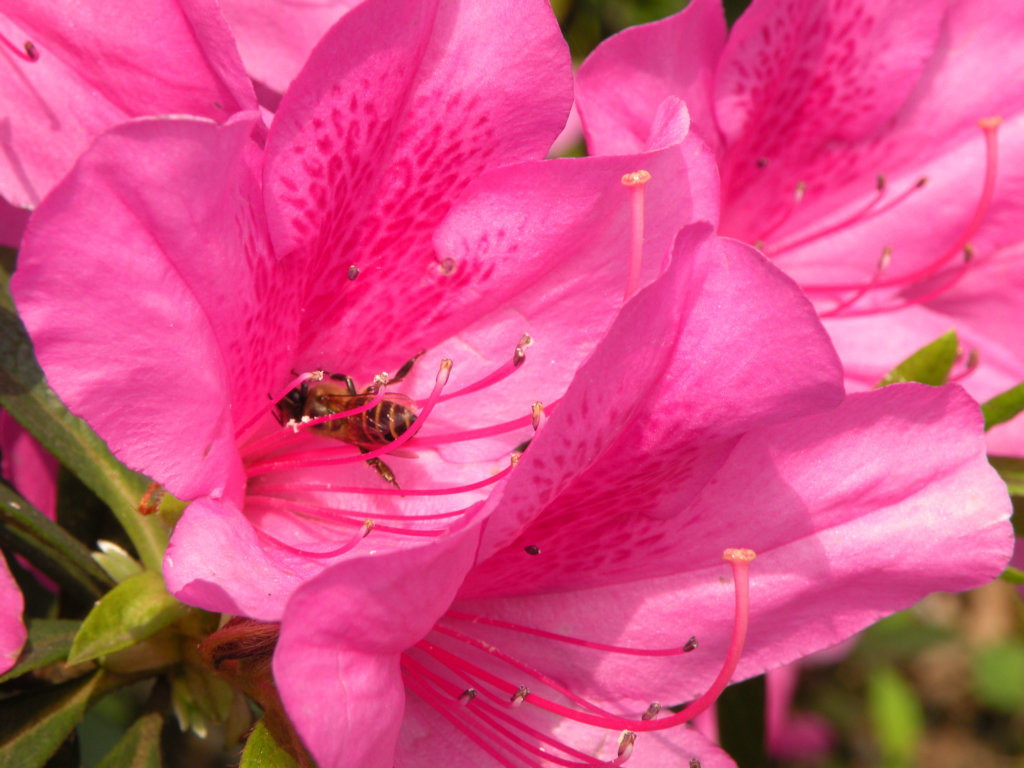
x: 366, y: 527
x: 690, y: 645
x: 28, y: 51
x: 519, y: 696
x: 635, y: 183
x: 519, y: 355
x: 695, y: 763
x: 467, y: 696
x: 652, y: 711
x: 514, y: 458
x: 353, y: 272
x: 880, y: 182
x: 538, y: 415
x: 447, y: 266
x: 798, y: 192
x: 531, y: 549
x: 626, y: 742
x: 762, y: 162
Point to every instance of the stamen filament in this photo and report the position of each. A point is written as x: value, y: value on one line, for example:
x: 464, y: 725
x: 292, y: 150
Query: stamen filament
x: 346, y: 547
x: 533, y: 419
x: 317, y: 511
x: 474, y: 619
x: 739, y: 559
x: 635, y: 183
x: 518, y: 358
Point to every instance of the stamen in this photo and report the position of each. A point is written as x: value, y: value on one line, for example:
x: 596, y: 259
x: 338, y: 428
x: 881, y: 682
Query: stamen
x: 739, y: 560
x: 635, y: 183
x: 652, y: 711
x: 475, y: 434
x: 474, y: 619
x: 353, y: 272
x: 532, y: 549
x: 798, y: 196
x: 961, y: 245
x: 883, y: 264
x: 348, y: 546
x: 518, y: 358
x: 626, y: 742
x: 331, y: 514
x: 402, y: 491
x: 27, y: 51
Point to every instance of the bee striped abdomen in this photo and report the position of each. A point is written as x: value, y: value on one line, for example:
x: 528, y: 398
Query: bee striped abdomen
x: 382, y: 424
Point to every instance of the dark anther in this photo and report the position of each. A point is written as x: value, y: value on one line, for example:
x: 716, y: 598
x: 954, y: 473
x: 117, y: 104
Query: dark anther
x: 690, y: 645
x: 531, y: 549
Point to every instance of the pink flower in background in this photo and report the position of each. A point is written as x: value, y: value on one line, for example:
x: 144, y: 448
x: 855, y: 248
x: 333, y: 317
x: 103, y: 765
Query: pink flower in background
x: 72, y: 70
x: 33, y: 473
x: 216, y: 270
x: 825, y: 119
x: 12, y: 628
x: 708, y: 416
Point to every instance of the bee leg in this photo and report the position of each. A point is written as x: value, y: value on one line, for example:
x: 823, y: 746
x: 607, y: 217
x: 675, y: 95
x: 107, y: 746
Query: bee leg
x: 405, y: 369
x: 382, y: 469
x: 349, y: 384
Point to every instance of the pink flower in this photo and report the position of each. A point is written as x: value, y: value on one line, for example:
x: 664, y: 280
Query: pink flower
x: 708, y: 416
x: 825, y: 118
x: 33, y: 472
x: 12, y: 628
x: 215, y: 269
x: 71, y: 70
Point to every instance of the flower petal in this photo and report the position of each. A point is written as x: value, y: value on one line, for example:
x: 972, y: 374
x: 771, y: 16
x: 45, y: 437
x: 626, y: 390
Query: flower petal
x: 719, y: 344
x: 622, y: 83
x: 12, y: 628
x: 100, y: 64
x: 376, y: 138
x: 855, y: 513
x: 341, y: 637
x: 172, y: 282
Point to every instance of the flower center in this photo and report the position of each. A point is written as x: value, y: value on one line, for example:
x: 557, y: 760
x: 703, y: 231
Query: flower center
x: 892, y: 292
x: 294, y: 496
x: 494, y: 698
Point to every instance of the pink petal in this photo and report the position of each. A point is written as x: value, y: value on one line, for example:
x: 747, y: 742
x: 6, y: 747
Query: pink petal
x: 12, y: 224
x: 100, y: 64
x: 275, y: 37
x: 27, y: 466
x: 855, y: 513
x: 623, y: 82
x: 12, y: 629
x: 171, y: 282
x: 341, y: 637
x: 720, y: 344
x: 379, y: 134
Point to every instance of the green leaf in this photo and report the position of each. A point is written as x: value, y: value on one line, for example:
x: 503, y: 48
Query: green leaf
x: 1012, y: 575
x: 929, y: 365
x: 24, y: 393
x: 53, y: 550
x: 1003, y: 407
x: 999, y: 677
x: 261, y: 751
x: 896, y: 714
x: 118, y: 564
x: 33, y: 725
x: 49, y: 640
x: 1011, y: 469
x: 132, y: 611
x: 139, y: 747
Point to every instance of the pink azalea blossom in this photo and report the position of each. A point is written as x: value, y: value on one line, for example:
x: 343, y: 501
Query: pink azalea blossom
x: 12, y: 628
x: 70, y: 70
x: 708, y: 416
x: 33, y: 472
x: 825, y: 119
x: 217, y: 269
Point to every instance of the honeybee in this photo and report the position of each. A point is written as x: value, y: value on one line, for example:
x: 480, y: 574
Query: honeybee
x: 371, y: 429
